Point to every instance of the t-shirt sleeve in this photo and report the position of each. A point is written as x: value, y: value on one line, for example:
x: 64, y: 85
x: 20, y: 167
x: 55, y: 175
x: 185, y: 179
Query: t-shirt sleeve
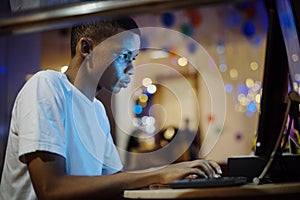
x: 40, y: 117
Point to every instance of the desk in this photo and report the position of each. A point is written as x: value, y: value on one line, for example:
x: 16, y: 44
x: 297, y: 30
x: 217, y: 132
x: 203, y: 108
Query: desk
x: 272, y: 191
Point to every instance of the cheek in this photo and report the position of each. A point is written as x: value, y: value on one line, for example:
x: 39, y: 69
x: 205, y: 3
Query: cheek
x: 112, y: 75
x: 118, y: 70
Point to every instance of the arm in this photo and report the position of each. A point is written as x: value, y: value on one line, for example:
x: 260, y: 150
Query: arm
x: 47, y: 172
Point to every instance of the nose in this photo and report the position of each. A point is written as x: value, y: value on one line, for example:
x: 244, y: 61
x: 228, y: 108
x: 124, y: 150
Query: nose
x: 129, y: 69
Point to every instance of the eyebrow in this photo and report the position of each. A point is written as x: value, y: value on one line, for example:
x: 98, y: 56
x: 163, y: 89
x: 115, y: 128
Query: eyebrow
x: 130, y: 52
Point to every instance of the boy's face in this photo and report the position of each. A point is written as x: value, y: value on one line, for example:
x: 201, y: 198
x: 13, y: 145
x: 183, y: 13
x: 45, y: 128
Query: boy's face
x: 117, y: 75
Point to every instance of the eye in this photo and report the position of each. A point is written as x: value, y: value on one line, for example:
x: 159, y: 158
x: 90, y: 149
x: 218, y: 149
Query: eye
x: 127, y: 57
x: 124, y: 56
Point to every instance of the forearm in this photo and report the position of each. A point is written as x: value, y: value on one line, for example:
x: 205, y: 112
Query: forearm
x: 96, y: 187
x: 49, y: 179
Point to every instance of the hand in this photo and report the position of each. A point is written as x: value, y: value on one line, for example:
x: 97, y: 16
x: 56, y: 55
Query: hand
x: 198, y: 168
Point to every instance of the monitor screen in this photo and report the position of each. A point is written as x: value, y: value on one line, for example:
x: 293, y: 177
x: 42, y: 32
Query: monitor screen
x: 280, y: 73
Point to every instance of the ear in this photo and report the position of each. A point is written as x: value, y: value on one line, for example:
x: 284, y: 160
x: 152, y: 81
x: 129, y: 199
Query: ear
x: 86, y: 46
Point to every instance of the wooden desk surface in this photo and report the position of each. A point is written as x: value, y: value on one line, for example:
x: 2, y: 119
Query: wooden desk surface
x: 266, y: 191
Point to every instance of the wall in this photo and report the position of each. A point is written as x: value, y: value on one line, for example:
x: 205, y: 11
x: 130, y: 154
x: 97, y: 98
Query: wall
x: 20, y: 56
x: 226, y: 35
x: 231, y: 41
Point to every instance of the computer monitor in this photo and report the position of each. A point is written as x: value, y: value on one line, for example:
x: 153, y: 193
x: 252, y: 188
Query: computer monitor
x: 280, y: 73
x: 275, y: 85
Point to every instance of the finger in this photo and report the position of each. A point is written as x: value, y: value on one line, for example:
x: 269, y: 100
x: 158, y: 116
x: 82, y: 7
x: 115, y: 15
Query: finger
x: 216, y: 166
x: 207, y: 168
x: 199, y: 172
x: 192, y: 176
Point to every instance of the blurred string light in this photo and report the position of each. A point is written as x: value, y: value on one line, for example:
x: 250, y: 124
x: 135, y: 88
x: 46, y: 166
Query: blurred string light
x: 146, y: 82
x: 182, y: 61
x: 295, y: 58
x: 228, y: 88
x: 249, y: 82
x: 223, y: 67
x: 221, y: 51
x: 148, y: 124
x: 233, y: 73
x: 143, y: 95
x: 145, y: 124
x: 297, y: 77
x: 169, y: 133
x: 63, y: 69
x: 143, y: 98
x: 220, y: 47
x: 151, y: 89
x: 249, y: 97
x: 254, y: 66
x: 138, y: 109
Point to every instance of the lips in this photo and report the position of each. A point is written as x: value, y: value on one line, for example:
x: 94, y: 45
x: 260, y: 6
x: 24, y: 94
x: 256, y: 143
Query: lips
x: 124, y: 83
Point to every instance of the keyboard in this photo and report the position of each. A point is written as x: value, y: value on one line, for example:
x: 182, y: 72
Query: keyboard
x: 208, y: 182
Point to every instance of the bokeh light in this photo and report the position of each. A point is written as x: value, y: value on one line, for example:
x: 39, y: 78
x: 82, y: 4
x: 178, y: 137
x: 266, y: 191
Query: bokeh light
x: 295, y: 57
x: 182, y: 61
x: 220, y: 47
x: 228, y: 88
x: 233, y: 73
x: 258, y: 98
x: 63, y: 69
x: 168, y: 19
x: 297, y: 77
x: 254, y: 66
x: 151, y: 89
x: 137, y: 109
x: 249, y: 82
x: 143, y: 98
x: 169, y: 133
x: 223, y: 67
x: 3, y: 70
x: 146, y: 82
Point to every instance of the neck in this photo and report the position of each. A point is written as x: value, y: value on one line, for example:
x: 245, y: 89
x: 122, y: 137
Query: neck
x: 79, y: 78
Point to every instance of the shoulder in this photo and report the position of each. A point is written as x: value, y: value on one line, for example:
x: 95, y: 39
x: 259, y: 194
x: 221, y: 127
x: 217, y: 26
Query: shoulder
x: 48, y: 74
x: 47, y: 78
x: 44, y: 83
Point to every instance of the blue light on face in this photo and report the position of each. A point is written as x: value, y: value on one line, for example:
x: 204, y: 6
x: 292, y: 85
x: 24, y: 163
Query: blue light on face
x: 125, y: 57
x: 138, y: 109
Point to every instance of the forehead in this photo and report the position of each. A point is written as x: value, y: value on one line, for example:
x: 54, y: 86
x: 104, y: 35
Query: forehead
x: 128, y: 40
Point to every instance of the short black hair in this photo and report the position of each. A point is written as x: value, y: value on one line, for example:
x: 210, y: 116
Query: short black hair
x: 98, y: 30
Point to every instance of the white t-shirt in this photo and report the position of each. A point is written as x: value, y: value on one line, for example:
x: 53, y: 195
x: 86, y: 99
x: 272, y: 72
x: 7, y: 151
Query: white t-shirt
x: 50, y: 114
